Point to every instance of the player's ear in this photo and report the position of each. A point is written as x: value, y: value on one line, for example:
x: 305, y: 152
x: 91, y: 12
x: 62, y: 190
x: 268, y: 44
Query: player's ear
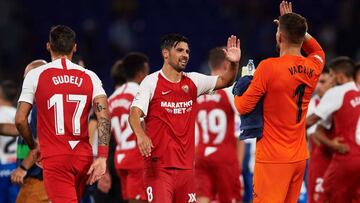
x: 74, y: 48
x: 165, y: 53
x: 281, y: 36
x: 48, y: 46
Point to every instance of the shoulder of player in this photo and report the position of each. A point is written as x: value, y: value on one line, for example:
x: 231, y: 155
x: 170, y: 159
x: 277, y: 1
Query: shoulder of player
x: 34, y: 73
x: 195, y: 76
x: 338, y: 91
x: 344, y: 87
x: 268, y: 62
x: 151, y: 79
x: 130, y: 88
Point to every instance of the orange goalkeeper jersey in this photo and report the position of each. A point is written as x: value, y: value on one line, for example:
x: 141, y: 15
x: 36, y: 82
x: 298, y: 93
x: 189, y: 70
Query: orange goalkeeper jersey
x: 287, y: 84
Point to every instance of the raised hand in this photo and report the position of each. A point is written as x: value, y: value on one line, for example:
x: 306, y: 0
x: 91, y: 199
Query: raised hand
x: 285, y: 7
x: 233, y: 52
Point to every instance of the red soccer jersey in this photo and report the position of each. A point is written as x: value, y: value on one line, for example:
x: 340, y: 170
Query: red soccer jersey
x: 170, y: 119
x: 216, y: 127
x: 342, y: 103
x: 63, y: 92
x: 127, y: 154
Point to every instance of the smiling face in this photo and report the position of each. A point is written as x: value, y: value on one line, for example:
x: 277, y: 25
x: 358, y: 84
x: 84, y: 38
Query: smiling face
x: 178, y: 56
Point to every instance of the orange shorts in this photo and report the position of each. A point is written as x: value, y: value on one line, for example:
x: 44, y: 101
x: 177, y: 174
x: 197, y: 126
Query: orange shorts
x: 278, y: 183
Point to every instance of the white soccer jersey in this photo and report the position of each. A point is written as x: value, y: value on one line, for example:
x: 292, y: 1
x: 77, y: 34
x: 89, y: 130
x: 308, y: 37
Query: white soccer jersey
x: 7, y: 144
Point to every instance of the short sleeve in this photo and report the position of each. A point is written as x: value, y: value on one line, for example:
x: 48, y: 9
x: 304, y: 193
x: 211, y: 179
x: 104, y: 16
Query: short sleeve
x: 29, y: 87
x: 329, y: 103
x: 98, y: 89
x: 204, y: 83
x: 143, y: 95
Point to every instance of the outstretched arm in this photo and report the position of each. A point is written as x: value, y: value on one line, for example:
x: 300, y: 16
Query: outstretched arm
x: 233, y: 55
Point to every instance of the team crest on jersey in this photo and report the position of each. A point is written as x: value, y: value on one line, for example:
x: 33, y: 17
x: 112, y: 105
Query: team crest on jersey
x: 185, y: 88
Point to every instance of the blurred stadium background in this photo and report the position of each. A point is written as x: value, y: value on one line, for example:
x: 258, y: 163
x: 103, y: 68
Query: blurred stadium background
x: 108, y: 29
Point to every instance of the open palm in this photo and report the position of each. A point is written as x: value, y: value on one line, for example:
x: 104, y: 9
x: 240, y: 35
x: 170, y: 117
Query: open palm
x: 233, y: 52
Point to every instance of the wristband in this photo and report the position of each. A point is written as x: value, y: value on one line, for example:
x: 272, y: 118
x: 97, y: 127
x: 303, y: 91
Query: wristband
x: 103, y: 151
x: 23, y: 167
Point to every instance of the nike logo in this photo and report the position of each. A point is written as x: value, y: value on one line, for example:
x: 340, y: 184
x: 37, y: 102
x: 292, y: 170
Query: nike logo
x: 167, y: 92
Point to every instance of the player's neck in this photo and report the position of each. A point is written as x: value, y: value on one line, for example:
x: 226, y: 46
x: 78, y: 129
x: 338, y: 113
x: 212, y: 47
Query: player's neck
x: 170, y: 73
x: 346, y: 80
x: 5, y: 103
x: 57, y: 56
x: 286, y: 49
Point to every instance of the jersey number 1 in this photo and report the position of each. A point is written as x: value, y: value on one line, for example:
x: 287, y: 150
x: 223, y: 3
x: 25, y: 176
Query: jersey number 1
x: 299, y: 91
x: 56, y: 101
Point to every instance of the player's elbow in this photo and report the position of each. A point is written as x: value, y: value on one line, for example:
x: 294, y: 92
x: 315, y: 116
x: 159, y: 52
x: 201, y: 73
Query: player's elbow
x: 240, y: 107
x: 20, y: 120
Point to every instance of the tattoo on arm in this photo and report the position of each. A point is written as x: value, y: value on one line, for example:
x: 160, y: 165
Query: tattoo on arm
x: 104, y: 127
x: 99, y: 107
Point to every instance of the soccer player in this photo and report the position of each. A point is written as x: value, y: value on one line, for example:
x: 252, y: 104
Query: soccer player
x: 286, y: 84
x: 341, y: 104
x: 217, y: 177
x: 64, y: 94
x: 28, y: 174
x: 127, y: 158
x: 320, y: 155
x: 8, y: 95
x: 166, y: 99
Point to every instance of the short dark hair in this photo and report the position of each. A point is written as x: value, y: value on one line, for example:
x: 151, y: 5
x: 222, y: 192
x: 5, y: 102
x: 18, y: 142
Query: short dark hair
x: 294, y: 26
x: 133, y: 63
x: 216, y: 57
x: 9, y: 91
x: 342, y: 64
x: 325, y: 70
x: 171, y: 40
x: 62, y: 39
x: 117, y: 73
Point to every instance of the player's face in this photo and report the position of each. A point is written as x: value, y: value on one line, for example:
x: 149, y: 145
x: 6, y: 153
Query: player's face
x: 179, y: 56
x: 337, y: 77
x: 144, y: 73
x: 357, y: 77
x: 325, y: 82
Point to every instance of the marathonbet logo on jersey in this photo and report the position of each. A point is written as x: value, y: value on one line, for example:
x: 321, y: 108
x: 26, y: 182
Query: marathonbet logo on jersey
x: 177, y: 107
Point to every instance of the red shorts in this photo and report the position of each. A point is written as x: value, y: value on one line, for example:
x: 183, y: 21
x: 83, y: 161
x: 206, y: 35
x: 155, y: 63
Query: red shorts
x: 65, y: 177
x: 218, y: 181
x: 318, y: 164
x: 132, y: 184
x: 169, y: 185
x: 342, y: 180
